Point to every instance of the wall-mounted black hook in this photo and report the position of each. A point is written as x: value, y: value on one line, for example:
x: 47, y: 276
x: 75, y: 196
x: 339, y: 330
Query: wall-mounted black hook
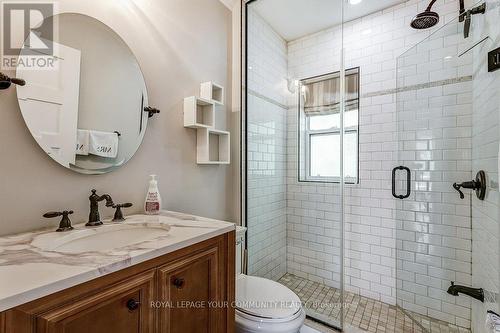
x: 5, y: 81
x: 117, y: 133
x: 151, y: 111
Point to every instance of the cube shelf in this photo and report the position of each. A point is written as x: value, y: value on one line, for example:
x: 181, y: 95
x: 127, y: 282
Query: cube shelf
x: 198, y: 112
x: 213, y: 146
x: 212, y: 92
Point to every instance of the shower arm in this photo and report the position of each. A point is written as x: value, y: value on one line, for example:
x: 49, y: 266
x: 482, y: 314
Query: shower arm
x: 430, y: 5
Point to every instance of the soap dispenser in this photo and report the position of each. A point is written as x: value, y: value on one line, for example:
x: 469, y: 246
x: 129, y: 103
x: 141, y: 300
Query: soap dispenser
x: 152, y: 205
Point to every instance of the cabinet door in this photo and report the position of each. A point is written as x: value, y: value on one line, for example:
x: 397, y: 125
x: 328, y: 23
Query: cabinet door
x: 123, y: 307
x: 188, y: 286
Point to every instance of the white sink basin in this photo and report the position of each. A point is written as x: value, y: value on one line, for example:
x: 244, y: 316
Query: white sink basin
x: 102, y: 238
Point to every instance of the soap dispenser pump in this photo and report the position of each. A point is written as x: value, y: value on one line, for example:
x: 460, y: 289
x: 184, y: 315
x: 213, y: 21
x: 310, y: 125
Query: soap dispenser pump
x: 152, y: 204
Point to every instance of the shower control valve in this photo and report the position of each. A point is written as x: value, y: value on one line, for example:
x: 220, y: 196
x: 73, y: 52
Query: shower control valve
x: 478, y: 185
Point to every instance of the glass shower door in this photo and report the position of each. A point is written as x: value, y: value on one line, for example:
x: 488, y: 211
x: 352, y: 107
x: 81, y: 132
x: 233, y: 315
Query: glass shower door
x: 295, y: 224
x: 485, y: 156
x: 447, y: 111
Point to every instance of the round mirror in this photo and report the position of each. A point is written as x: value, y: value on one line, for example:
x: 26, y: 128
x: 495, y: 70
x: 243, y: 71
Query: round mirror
x: 85, y: 94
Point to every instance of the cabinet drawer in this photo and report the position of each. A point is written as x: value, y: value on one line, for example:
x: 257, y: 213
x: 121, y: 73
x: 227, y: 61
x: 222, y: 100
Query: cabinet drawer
x: 123, y: 307
x: 189, y: 286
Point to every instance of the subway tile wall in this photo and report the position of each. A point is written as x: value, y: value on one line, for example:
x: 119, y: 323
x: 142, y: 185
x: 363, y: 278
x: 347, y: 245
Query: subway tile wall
x: 485, y: 143
x: 266, y: 150
x: 313, y: 209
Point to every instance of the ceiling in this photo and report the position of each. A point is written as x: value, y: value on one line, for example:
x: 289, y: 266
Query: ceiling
x: 293, y: 19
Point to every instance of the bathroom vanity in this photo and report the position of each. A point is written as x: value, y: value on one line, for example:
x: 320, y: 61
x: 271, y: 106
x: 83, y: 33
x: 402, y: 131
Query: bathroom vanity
x: 175, y: 274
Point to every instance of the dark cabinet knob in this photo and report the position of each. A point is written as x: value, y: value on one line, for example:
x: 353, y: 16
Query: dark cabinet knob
x: 178, y: 282
x: 132, y: 304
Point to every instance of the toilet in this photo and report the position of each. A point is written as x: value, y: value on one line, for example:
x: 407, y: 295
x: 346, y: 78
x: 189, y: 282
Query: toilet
x: 263, y: 305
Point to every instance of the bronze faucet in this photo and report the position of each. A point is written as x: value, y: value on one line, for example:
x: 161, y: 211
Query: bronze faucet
x: 94, y: 217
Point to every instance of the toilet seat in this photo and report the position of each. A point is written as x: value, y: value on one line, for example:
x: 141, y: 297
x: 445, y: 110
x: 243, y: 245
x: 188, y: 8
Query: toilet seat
x: 266, y: 300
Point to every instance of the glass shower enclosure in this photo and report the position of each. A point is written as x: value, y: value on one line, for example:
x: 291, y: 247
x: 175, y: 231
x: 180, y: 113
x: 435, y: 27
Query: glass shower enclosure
x: 369, y: 157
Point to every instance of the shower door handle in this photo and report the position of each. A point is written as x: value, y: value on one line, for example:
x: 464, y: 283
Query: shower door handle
x: 408, y: 182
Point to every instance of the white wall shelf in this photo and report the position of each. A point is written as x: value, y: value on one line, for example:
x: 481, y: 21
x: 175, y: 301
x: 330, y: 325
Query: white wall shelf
x: 199, y: 112
x: 213, y: 146
x: 212, y: 92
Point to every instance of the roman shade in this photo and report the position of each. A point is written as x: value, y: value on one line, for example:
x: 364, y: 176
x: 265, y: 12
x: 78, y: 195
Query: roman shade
x: 323, y: 97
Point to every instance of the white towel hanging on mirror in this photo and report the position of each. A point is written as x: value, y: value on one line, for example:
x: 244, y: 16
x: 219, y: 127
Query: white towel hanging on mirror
x: 104, y: 144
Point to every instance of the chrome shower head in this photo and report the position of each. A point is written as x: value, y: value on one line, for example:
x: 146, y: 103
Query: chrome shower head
x: 425, y: 20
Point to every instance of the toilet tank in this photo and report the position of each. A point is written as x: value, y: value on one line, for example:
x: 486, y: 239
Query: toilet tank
x: 240, y: 248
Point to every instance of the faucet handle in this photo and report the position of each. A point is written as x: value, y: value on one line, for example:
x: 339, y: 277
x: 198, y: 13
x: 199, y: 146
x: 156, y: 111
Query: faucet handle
x: 65, y: 224
x: 56, y: 214
x: 457, y: 187
x: 118, y: 213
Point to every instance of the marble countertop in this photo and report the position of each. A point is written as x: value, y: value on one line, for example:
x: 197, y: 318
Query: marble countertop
x: 29, y: 271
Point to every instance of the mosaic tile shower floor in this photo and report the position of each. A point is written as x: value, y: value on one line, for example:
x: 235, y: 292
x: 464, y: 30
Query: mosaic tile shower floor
x: 363, y: 313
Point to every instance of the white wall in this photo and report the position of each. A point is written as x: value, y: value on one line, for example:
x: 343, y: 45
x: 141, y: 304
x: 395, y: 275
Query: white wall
x: 178, y: 44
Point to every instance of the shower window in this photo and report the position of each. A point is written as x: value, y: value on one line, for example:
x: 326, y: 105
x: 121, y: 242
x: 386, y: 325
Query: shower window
x: 320, y: 130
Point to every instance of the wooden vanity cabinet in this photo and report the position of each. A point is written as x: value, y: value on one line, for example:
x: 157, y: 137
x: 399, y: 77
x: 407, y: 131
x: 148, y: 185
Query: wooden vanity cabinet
x: 188, y: 291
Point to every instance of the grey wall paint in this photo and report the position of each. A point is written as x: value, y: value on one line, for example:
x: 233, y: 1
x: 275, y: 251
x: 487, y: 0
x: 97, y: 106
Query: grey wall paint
x: 179, y: 44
